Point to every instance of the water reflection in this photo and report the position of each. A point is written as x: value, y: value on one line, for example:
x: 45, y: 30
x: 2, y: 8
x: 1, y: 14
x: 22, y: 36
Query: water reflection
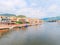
x: 16, y: 29
x: 24, y: 28
x: 3, y: 32
x: 45, y: 34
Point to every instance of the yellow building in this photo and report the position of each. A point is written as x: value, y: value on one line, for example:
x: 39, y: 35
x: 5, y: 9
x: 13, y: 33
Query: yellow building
x: 3, y: 16
x: 13, y: 18
x: 23, y: 20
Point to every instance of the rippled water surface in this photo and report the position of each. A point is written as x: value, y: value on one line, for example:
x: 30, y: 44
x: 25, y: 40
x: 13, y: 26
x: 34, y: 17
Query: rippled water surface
x: 45, y: 34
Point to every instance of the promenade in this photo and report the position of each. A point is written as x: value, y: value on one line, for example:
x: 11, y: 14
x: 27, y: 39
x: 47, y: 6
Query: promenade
x: 4, y: 26
x: 10, y: 26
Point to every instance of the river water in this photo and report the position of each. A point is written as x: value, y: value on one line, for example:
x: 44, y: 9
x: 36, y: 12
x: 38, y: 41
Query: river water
x: 45, y: 34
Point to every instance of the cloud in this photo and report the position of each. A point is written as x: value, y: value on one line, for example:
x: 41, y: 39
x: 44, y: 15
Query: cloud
x: 53, y: 8
x: 20, y: 7
x: 33, y: 4
x: 31, y: 8
x: 32, y: 12
x: 11, y: 5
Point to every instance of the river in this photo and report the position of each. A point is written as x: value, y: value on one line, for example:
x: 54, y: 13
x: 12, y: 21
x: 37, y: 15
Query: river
x: 44, y: 34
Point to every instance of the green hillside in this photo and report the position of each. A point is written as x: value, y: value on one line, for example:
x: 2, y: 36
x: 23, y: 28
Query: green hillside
x: 7, y: 15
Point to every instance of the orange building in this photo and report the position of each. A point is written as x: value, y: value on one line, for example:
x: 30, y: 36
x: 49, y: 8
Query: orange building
x: 34, y: 21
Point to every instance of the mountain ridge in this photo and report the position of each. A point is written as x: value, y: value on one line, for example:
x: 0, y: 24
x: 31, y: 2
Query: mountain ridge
x: 6, y: 14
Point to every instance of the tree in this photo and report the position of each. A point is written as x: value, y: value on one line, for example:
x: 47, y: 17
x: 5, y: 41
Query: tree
x: 19, y: 22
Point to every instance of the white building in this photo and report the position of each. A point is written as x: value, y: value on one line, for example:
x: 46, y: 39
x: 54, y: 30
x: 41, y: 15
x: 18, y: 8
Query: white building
x: 5, y: 20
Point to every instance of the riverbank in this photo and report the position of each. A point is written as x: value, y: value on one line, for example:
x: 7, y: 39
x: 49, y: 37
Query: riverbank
x: 45, y: 34
x: 4, y: 26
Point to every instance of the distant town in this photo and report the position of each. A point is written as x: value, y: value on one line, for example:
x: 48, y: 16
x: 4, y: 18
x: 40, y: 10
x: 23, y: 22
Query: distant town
x: 9, y: 21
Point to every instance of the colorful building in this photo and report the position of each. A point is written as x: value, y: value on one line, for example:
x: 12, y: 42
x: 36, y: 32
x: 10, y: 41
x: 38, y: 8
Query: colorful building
x: 4, y: 20
x: 13, y: 19
x: 34, y: 21
x: 23, y: 20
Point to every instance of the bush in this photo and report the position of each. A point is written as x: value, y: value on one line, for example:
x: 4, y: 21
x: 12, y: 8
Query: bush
x: 19, y: 22
x: 27, y: 22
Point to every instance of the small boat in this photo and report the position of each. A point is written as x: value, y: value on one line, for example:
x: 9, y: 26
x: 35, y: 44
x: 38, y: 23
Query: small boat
x: 26, y: 25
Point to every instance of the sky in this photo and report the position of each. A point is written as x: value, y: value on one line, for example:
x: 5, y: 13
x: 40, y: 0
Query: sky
x: 31, y: 8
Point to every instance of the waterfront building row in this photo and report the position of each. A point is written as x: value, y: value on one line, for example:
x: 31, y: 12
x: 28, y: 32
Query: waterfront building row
x: 14, y: 19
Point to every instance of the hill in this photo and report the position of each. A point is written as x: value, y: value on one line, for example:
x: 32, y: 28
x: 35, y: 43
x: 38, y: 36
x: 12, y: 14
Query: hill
x: 7, y: 14
x: 52, y: 18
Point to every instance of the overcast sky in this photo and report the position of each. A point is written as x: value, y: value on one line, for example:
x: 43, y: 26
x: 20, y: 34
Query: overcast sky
x: 31, y: 8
